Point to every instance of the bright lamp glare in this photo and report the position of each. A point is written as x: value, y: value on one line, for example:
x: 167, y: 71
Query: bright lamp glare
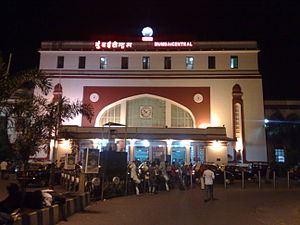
x: 147, y: 31
x: 146, y: 143
x: 266, y: 121
x: 216, y: 145
x: 104, y: 142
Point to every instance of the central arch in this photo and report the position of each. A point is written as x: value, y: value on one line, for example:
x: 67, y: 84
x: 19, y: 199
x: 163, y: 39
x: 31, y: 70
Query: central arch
x: 175, y: 114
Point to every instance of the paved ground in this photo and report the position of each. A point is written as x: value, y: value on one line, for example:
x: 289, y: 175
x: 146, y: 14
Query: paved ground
x: 234, y: 206
x: 250, y: 206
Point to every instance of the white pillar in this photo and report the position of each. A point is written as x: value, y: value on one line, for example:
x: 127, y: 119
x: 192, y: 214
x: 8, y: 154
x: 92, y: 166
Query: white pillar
x: 168, y: 114
x: 131, y: 149
x: 169, y: 148
x: 150, y: 155
x: 188, y: 153
x: 123, y: 112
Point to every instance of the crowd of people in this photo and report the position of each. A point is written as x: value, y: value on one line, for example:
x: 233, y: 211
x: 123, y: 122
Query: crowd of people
x: 151, y: 177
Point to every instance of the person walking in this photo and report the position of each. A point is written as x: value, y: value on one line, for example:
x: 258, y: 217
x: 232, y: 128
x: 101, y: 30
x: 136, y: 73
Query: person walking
x: 209, y: 177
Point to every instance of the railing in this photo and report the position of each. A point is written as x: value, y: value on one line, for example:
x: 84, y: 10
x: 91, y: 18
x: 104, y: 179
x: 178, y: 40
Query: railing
x: 102, y: 187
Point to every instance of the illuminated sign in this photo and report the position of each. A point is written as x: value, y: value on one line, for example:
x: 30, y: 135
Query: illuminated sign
x: 112, y: 45
x: 173, y: 44
x: 147, y: 33
x: 147, y: 38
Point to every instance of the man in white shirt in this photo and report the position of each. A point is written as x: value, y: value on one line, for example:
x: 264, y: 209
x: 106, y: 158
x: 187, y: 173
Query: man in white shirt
x: 209, y: 177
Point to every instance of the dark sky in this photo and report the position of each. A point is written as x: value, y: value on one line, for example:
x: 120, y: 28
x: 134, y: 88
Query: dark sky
x: 274, y: 24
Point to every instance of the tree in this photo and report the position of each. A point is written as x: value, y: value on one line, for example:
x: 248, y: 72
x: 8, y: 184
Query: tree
x: 283, y: 132
x: 14, y: 90
x: 35, y: 120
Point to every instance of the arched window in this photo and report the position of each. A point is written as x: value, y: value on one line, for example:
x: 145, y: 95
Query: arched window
x: 180, y: 117
x: 113, y: 114
x: 238, y: 123
x: 147, y: 110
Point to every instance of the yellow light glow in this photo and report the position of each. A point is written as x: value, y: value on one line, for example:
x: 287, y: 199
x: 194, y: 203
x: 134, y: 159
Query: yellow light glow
x: 169, y: 142
x: 239, y: 144
x: 216, y: 145
x: 95, y: 142
x: 132, y: 142
x: 186, y: 142
x: 65, y: 144
x: 52, y: 144
x: 204, y: 125
x: 215, y: 121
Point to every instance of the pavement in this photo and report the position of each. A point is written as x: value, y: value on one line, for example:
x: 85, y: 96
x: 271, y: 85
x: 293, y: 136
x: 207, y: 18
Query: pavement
x: 234, y: 206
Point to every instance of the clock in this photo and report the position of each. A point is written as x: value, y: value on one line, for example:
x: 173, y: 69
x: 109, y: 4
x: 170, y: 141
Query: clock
x: 198, y: 98
x: 146, y: 112
x: 94, y: 97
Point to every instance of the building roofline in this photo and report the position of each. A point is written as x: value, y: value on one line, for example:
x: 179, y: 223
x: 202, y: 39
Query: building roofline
x: 197, y: 134
x: 142, y: 46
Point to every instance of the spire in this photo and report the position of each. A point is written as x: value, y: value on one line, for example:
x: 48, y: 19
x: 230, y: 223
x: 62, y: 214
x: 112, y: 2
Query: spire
x: 57, y: 93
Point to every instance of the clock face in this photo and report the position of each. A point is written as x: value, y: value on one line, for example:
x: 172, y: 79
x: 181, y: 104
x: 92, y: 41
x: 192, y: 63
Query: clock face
x: 198, y: 98
x: 146, y: 112
x: 94, y: 97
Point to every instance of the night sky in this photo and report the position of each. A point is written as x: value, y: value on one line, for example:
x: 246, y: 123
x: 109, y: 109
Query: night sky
x: 274, y: 24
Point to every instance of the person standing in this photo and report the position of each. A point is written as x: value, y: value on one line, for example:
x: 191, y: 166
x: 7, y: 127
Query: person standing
x: 209, y: 177
x: 3, y: 168
x: 202, y: 168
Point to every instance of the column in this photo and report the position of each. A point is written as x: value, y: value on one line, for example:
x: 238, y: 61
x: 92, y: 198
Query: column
x: 131, y: 149
x: 168, y: 114
x: 150, y: 155
x: 188, y: 153
x: 169, y: 149
x: 123, y: 113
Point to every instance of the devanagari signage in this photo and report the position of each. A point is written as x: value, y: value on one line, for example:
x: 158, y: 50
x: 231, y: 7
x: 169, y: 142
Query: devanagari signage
x: 112, y: 45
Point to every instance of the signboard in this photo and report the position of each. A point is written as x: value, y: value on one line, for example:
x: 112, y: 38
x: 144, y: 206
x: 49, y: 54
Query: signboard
x: 92, y: 157
x: 70, y: 161
x: 173, y: 44
x: 112, y: 45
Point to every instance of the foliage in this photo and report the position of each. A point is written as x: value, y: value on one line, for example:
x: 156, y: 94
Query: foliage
x: 29, y: 79
x: 35, y: 120
x: 283, y: 132
x: 5, y: 147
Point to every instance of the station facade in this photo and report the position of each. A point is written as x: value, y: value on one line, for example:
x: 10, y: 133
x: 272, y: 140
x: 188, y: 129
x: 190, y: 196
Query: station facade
x: 185, y: 102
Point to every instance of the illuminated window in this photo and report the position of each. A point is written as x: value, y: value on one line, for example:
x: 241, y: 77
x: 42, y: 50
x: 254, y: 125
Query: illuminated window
x: 167, y: 62
x: 189, y: 62
x: 60, y: 61
x: 211, y: 62
x: 234, y: 62
x: 124, y: 63
x: 103, y: 62
x: 111, y: 115
x: 155, y: 107
x: 146, y: 62
x: 279, y: 155
x: 180, y: 117
x: 238, y: 119
x: 81, y: 62
x: 141, y: 153
x: 178, y: 153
